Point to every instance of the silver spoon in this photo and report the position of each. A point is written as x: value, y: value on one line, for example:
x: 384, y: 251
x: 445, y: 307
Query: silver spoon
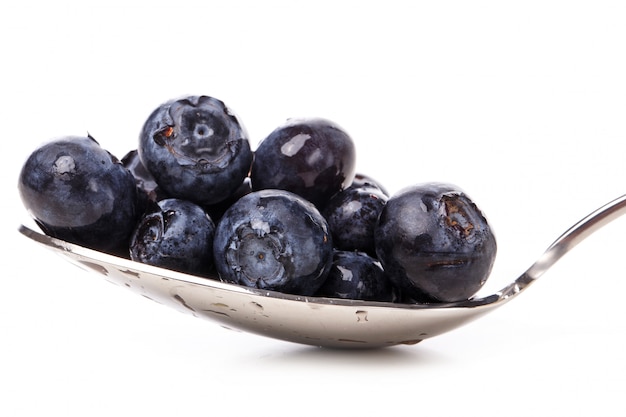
x: 312, y: 320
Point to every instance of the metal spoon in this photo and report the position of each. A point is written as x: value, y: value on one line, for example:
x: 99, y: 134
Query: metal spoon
x: 310, y: 320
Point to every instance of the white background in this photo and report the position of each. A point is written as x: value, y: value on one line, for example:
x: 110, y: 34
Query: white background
x: 521, y: 104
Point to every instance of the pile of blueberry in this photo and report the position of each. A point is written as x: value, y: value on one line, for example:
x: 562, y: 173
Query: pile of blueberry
x: 290, y: 216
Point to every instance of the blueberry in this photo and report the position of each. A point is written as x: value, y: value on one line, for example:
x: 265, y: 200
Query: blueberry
x: 363, y: 180
x: 196, y: 149
x: 357, y: 276
x: 352, y: 215
x: 175, y: 234
x: 147, y: 185
x: 77, y: 191
x: 273, y: 240
x: 434, y: 243
x: 313, y: 158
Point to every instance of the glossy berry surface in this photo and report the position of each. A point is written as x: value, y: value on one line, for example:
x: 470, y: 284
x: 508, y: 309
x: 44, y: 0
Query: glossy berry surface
x: 175, y: 234
x: 357, y: 276
x: 145, y: 181
x: 313, y: 158
x: 434, y: 243
x: 273, y: 240
x: 352, y: 216
x: 78, y: 192
x: 362, y: 180
x: 196, y: 149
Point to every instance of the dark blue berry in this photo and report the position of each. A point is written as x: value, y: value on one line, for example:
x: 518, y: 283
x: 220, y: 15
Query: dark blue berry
x: 357, y: 276
x: 196, y: 149
x: 147, y: 185
x: 78, y: 192
x: 273, y: 240
x: 175, y: 234
x: 352, y: 215
x: 313, y: 158
x: 362, y: 180
x: 434, y: 243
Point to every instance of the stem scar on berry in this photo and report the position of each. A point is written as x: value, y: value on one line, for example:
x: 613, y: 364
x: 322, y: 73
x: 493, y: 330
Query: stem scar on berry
x: 161, y: 136
x: 164, y: 137
x: 457, y: 216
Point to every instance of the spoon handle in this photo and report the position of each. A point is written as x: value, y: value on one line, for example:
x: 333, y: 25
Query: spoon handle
x: 576, y: 234
x: 567, y: 241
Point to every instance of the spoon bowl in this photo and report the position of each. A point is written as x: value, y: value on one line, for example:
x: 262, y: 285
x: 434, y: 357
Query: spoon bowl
x: 317, y: 321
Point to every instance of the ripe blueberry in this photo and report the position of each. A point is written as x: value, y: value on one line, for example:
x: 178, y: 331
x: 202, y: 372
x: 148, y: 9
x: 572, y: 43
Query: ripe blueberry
x: 357, y: 276
x: 175, y: 234
x: 196, y: 149
x: 77, y: 191
x: 352, y: 215
x: 313, y: 158
x: 273, y: 240
x: 362, y: 180
x: 434, y: 243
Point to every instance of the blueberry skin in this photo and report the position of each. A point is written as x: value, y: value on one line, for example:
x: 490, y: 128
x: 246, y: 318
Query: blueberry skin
x: 146, y: 184
x: 273, y: 240
x: 352, y: 216
x: 175, y: 234
x: 357, y: 276
x: 78, y: 192
x: 434, y: 243
x: 196, y: 149
x: 364, y: 180
x: 311, y: 157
